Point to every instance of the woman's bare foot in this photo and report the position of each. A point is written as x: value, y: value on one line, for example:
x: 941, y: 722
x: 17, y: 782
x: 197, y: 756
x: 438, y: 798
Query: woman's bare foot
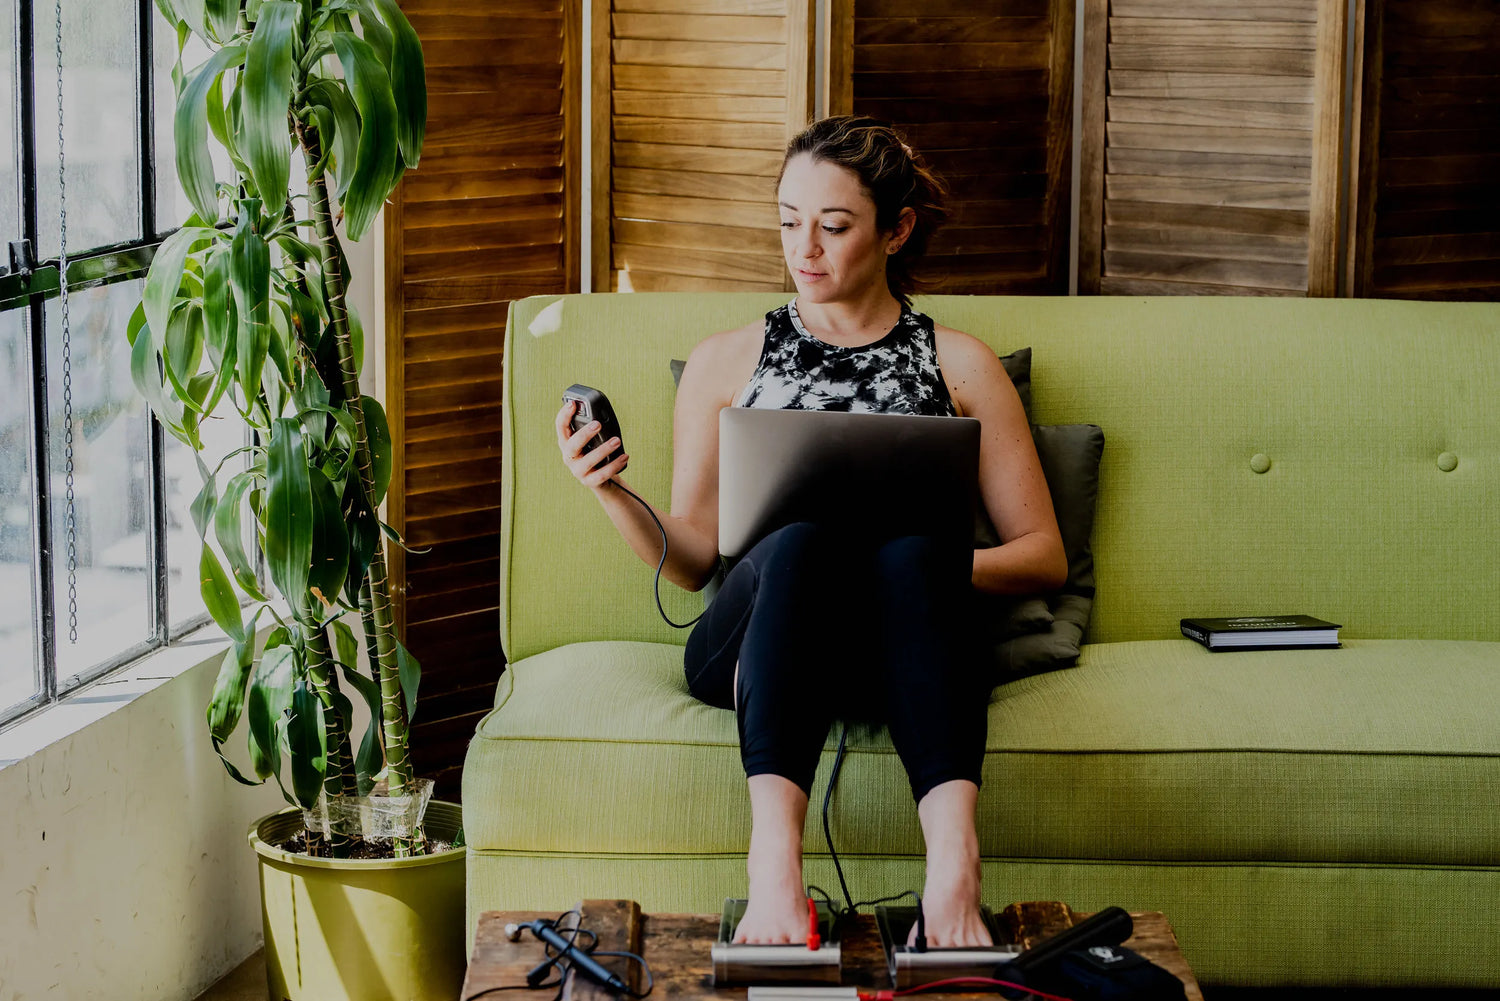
x: 776, y: 913
x: 777, y: 908
x: 950, y: 903
x: 950, y: 898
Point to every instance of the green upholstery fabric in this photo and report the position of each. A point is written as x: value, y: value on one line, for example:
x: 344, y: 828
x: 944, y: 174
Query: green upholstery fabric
x: 1320, y: 817
x: 1153, y: 750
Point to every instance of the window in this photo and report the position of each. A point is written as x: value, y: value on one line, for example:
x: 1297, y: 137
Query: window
x: 126, y: 536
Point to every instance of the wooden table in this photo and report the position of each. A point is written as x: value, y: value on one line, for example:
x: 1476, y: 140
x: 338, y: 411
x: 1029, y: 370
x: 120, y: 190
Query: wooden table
x: 677, y: 947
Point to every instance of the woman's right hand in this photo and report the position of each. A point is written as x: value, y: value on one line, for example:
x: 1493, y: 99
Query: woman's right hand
x: 580, y: 463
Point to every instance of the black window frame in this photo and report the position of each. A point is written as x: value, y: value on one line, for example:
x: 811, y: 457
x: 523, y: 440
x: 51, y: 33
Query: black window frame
x: 27, y: 285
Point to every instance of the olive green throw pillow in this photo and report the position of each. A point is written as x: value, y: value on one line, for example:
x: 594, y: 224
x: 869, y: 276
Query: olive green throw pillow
x: 1031, y: 635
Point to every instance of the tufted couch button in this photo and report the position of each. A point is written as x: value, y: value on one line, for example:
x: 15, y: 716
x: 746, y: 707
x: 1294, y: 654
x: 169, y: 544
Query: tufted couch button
x: 1260, y: 462
x: 1447, y: 462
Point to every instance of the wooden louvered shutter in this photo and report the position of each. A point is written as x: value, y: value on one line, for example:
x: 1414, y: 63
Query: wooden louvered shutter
x: 984, y: 89
x: 693, y: 104
x: 1427, y: 224
x: 1210, y: 156
x: 490, y: 215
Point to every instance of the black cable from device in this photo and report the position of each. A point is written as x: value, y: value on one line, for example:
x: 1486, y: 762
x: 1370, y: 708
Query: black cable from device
x: 551, y: 961
x: 660, y: 528
x: 561, y: 960
x: 851, y: 908
x: 833, y: 778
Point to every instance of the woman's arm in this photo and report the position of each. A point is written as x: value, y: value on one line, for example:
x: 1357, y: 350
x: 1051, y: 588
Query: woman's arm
x: 1030, y: 558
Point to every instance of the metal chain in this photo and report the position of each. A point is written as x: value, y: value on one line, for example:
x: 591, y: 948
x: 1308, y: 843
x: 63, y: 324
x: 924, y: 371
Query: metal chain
x: 71, y: 524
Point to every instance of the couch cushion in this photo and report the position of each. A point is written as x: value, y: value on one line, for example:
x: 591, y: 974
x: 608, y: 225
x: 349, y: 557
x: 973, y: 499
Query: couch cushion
x: 1385, y: 751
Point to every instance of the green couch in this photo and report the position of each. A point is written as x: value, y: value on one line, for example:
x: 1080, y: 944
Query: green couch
x: 1325, y: 817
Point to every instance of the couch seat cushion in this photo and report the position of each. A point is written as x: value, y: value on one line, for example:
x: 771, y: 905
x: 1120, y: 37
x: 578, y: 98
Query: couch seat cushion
x: 1385, y: 751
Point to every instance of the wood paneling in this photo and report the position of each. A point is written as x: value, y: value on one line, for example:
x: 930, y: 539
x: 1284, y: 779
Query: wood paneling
x: 490, y: 214
x: 985, y: 91
x: 694, y: 102
x: 1211, y: 161
x: 1426, y: 208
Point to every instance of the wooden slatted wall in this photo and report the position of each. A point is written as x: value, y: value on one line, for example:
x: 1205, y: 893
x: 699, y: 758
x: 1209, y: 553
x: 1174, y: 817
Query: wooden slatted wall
x: 984, y: 89
x: 1210, y: 154
x: 693, y: 104
x: 490, y: 215
x: 1428, y: 217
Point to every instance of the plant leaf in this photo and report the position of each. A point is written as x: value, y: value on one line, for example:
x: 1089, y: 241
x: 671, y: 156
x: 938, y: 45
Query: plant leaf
x: 270, y: 697
x: 330, y: 94
x: 250, y: 277
x: 330, y: 547
x: 203, y: 504
x: 165, y: 278
x: 307, y: 743
x: 379, y: 434
x: 364, y: 536
x: 218, y: 595
x: 410, y: 673
x: 289, y: 512
x: 220, y: 21
x: 234, y: 772
x: 190, y: 129
x: 375, y: 162
x: 228, y: 530
x: 229, y: 691
x: 408, y: 80
x: 371, y: 756
x: 266, y: 90
x: 146, y: 374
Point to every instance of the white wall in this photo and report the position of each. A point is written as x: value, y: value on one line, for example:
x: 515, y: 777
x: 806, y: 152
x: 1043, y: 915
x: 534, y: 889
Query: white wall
x: 124, y: 868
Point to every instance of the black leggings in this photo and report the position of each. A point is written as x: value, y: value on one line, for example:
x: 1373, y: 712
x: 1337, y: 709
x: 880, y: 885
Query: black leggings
x: 824, y: 626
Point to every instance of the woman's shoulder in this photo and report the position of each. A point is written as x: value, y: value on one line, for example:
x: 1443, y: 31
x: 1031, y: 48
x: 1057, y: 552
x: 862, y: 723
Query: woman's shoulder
x: 971, y: 369
x: 962, y: 349
x: 727, y: 359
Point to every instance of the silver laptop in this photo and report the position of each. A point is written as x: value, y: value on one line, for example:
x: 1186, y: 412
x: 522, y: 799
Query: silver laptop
x: 879, y: 475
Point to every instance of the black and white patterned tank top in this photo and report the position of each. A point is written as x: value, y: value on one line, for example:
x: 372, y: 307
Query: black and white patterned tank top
x: 897, y: 374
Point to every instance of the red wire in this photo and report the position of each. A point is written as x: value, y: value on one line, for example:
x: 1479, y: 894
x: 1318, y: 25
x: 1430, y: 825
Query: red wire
x: 883, y: 995
x: 814, y: 940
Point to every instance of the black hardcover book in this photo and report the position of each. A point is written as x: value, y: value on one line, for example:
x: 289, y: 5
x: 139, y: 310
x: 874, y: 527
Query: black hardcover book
x: 1263, y: 632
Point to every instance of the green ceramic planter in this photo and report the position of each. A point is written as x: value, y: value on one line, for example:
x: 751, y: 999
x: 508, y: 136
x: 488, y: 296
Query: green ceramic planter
x: 362, y: 929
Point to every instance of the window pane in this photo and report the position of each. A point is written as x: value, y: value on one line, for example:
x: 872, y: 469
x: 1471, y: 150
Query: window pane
x: 221, y: 435
x: 172, y: 206
x: 10, y: 212
x: 18, y: 673
x: 99, y: 112
x: 110, y: 464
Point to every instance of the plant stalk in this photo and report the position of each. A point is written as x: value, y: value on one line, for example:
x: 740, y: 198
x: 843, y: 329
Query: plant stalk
x: 338, y: 779
x: 393, y: 715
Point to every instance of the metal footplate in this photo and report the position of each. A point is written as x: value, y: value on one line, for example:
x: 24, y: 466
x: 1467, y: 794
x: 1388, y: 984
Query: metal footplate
x: 775, y: 964
x: 910, y: 968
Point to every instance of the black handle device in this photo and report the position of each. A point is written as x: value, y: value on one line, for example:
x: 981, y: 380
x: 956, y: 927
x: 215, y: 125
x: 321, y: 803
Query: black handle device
x: 1110, y: 926
x: 1087, y: 963
x: 576, y: 956
x: 594, y: 406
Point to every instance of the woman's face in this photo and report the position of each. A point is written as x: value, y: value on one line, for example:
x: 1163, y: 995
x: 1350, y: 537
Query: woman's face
x: 828, y: 233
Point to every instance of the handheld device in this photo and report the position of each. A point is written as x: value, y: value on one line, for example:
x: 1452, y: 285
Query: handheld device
x: 594, y: 406
x: 567, y: 951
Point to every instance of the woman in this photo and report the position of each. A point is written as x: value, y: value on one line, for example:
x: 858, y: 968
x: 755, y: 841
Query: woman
x: 811, y: 624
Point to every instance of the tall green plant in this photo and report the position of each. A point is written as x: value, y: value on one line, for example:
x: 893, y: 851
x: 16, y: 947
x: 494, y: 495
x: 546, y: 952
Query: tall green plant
x: 243, y: 318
